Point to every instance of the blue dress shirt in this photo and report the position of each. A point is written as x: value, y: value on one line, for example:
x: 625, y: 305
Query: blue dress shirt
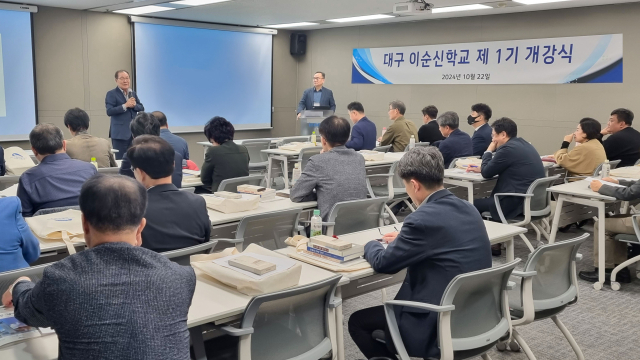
x: 317, y: 95
x: 18, y: 245
x: 179, y: 144
x: 55, y: 182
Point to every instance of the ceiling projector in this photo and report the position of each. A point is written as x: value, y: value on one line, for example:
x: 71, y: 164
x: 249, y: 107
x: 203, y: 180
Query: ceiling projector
x: 414, y: 7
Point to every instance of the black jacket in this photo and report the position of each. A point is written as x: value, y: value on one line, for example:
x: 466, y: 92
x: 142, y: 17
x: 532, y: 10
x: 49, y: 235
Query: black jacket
x: 430, y: 132
x: 175, y: 219
x: 226, y: 161
x: 623, y: 145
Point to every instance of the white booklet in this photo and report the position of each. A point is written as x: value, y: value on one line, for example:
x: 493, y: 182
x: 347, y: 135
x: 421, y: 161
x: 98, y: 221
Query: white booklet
x: 590, y: 179
x: 13, y: 331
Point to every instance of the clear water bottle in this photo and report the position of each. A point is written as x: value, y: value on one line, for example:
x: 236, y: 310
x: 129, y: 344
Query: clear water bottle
x: 316, y: 224
x: 606, y: 169
x: 412, y: 142
x: 314, y: 138
x: 94, y: 162
x: 296, y: 173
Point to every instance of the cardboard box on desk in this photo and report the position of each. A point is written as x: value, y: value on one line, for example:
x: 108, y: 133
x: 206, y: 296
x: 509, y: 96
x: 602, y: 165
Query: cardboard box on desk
x: 229, y: 206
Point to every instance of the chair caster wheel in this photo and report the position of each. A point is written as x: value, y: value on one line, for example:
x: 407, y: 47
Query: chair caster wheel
x: 615, y: 286
x: 513, y: 346
x: 597, y: 286
x: 501, y: 346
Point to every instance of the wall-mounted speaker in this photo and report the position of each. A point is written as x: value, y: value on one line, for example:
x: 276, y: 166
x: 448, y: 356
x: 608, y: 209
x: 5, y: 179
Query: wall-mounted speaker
x: 298, y: 44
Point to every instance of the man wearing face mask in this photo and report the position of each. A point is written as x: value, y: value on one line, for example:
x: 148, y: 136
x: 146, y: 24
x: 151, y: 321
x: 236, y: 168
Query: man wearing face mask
x: 479, y: 118
x: 516, y: 163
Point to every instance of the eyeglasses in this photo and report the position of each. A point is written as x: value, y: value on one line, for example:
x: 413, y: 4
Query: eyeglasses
x: 123, y: 79
x: 317, y: 78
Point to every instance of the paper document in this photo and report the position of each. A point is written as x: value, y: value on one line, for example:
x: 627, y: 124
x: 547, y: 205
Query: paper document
x: 590, y: 179
x: 13, y: 331
x: 282, y: 264
x: 457, y: 171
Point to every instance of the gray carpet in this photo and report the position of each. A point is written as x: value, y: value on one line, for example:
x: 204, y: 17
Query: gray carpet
x: 604, y: 323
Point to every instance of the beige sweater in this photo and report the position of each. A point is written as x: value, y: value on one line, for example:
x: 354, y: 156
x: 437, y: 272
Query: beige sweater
x: 583, y: 159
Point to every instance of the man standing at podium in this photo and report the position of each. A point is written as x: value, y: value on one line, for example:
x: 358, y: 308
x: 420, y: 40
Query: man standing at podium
x: 317, y: 97
x: 122, y: 105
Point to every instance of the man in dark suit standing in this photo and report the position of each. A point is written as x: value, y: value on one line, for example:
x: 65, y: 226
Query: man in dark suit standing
x: 479, y: 119
x: 175, y: 219
x: 443, y: 238
x: 318, y: 95
x: 122, y: 106
x: 517, y: 164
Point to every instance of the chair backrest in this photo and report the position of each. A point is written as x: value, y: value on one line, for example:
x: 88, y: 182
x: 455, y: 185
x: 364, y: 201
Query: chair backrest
x: 294, y: 139
x: 452, y: 164
x: 269, y: 230
x: 355, y: 215
x: 255, y: 148
x: 481, y: 314
x: 56, y: 210
x: 540, y: 203
x: 182, y: 256
x: 8, y: 181
x: 422, y: 144
x: 306, y: 154
x: 109, y: 170
x: 232, y: 184
x: 555, y: 283
x: 637, y: 163
x: 9, y: 277
x: 612, y: 165
x: 386, y: 148
x: 292, y: 324
x: 188, y: 189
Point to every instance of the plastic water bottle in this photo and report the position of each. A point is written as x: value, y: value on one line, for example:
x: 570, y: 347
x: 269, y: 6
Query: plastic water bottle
x: 316, y: 224
x: 606, y: 168
x: 412, y: 142
x: 94, y: 162
x: 296, y: 173
x: 313, y: 138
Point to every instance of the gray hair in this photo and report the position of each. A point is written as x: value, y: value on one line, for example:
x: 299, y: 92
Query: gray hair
x: 423, y: 164
x: 450, y: 119
x: 398, y: 105
x: 46, y: 139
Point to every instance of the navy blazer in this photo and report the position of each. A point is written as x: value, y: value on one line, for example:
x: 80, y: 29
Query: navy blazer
x: 481, y: 139
x: 458, y: 144
x: 306, y: 102
x: 363, y: 135
x: 176, y: 177
x: 443, y: 238
x: 517, y: 164
x: 121, y: 118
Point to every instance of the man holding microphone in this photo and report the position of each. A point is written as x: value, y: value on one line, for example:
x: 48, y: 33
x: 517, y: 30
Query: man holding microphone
x: 122, y: 106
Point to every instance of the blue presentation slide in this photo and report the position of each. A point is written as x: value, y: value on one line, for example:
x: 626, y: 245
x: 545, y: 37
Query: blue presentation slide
x: 17, y: 89
x: 194, y: 74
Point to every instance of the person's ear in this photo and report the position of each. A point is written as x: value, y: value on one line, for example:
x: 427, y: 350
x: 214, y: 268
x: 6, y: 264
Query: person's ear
x: 416, y: 186
x: 143, y: 223
x: 64, y: 145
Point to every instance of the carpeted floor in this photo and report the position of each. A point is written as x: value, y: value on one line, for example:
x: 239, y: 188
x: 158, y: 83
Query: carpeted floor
x: 604, y: 323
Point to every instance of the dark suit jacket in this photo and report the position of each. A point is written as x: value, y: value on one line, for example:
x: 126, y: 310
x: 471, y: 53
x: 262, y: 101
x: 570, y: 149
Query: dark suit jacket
x: 175, y: 219
x: 517, y: 164
x: 114, y: 301
x: 443, y: 238
x: 120, y: 118
x: 481, y: 139
x: 624, y: 146
x: 306, y: 102
x: 430, y: 132
x: 3, y: 168
x: 363, y: 135
x: 458, y: 144
x: 176, y: 178
x: 226, y: 161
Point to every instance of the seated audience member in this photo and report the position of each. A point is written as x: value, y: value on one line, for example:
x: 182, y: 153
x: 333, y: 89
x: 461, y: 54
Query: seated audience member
x: 84, y: 146
x: 456, y: 143
x: 225, y: 159
x: 363, y: 134
x: 175, y: 219
x: 588, y: 153
x: 443, y: 238
x: 147, y: 124
x: 479, y: 119
x: 18, y: 246
x: 179, y: 144
x: 57, y: 180
x: 615, y: 251
x: 3, y: 168
x: 517, y: 164
x: 399, y: 133
x: 114, y: 300
x: 623, y: 142
x: 337, y: 174
x: 430, y: 132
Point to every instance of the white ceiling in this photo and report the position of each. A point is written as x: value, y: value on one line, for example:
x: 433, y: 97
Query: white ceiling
x: 269, y: 12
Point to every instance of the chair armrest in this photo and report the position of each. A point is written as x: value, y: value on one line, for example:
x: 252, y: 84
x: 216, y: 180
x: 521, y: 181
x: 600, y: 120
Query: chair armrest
x: 578, y: 257
x: 567, y: 178
x: 230, y: 330
x: 328, y: 223
x: 423, y: 306
x: 634, y: 221
x: 233, y: 241
x: 379, y: 175
x: 335, y: 303
x: 499, y: 208
x: 511, y: 285
x: 512, y: 194
x: 524, y: 274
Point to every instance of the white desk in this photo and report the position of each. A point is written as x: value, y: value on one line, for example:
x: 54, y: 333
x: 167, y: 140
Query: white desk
x: 274, y: 141
x: 219, y: 218
x: 579, y: 192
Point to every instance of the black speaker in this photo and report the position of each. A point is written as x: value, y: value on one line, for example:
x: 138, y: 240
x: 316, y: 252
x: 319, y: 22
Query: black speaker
x: 298, y: 44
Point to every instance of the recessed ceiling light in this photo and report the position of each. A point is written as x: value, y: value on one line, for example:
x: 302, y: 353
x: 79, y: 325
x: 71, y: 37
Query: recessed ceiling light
x: 197, y: 2
x: 535, y: 2
x: 143, y: 10
x: 291, y: 25
x: 361, y: 18
x: 460, y: 8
